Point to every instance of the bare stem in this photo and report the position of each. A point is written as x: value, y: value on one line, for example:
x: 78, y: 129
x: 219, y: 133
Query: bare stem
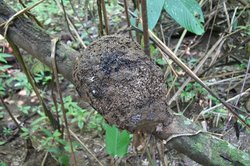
x: 145, y: 27
x: 105, y: 17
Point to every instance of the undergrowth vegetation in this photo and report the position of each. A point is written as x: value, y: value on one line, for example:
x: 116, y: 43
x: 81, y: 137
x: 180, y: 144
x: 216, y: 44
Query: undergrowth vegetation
x: 84, y: 15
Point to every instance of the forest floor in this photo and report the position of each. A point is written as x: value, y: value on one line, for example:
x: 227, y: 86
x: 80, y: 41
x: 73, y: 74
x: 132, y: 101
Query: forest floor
x: 224, y: 71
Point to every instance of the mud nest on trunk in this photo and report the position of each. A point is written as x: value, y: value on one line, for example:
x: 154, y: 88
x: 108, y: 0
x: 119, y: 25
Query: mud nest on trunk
x: 122, y: 84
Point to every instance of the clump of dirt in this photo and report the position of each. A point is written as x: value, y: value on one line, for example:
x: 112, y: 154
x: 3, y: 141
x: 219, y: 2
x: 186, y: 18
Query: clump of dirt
x: 122, y: 83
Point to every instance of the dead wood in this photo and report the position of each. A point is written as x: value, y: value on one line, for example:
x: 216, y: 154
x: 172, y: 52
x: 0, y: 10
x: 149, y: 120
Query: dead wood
x: 125, y: 87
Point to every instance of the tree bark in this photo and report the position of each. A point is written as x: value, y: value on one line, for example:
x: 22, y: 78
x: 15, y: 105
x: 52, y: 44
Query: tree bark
x: 203, y: 147
x: 37, y: 42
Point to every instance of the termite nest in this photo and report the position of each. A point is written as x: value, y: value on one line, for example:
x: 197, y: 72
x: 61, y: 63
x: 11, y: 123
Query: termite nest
x: 122, y: 83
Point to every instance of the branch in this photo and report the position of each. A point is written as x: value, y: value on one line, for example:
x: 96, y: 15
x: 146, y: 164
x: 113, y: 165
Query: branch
x: 203, y: 148
x: 37, y: 42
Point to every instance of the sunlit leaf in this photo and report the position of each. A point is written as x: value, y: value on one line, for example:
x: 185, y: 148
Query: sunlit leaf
x: 154, y: 9
x: 116, y: 142
x: 187, y: 13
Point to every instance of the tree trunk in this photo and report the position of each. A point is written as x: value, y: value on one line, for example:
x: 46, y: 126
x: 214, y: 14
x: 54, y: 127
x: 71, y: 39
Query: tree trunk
x: 203, y: 147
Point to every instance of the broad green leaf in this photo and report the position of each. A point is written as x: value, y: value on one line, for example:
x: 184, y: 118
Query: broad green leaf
x: 154, y: 9
x: 116, y: 142
x: 187, y: 13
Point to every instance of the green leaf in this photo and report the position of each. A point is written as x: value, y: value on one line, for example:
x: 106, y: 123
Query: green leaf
x: 67, y: 146
x: 54, y: 150
x: 2, y: 142
x: 1, y: 114
x: 2, y: 163
x: 56, y: 134
x: 80, y: 124
x: 64, y: 160
x: 187, y: 13
x: 154, y: 11
x: 25, y: 133
x: 48, y: 21
x: 38, y: 67
x: 116, y: 142
x: 4, y: 67
x: 39, y: 120
x: 133, y: 20
x: 3, y: 56
x: 161, y: 61
x: 247, y: 119
x: 47, y: 132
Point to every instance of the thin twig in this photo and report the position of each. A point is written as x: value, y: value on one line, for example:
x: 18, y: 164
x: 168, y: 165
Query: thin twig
x: 244, y: 82
x: 145, y: 27
x: 227, y: 15
x: 168, y: 51
x: 220, y: 105
x: 31, y: 16
x: 236, y: 78
x: 162, y: 34
x: 75, y: 12
x: 105, y: 17
x: 55, y: 104
x: 99, y: 8
x: 31, y: 80
x: 197, y: 68
x: 170, y: 61
x: 182, y: 65
x: 71, y: 24
x: 180, y: 40
x: 44, y: 159
x: 222, y: 75
x: 85, y: 147
x: 233, y: 20
x: 65, y: 17
x: 212, y: 28
x: 224, y: 56
x: 137, y: 32
x: 6, y: 24
x: 53, y: 52
x: 10, y: 114
x: 127, y: 16
x: 217, y: 52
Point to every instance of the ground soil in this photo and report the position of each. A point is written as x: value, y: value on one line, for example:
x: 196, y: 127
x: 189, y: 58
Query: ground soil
x: 16, y: 152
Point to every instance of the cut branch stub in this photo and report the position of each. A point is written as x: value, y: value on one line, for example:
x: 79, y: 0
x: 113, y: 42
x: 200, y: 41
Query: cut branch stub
x: 122, y: 84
